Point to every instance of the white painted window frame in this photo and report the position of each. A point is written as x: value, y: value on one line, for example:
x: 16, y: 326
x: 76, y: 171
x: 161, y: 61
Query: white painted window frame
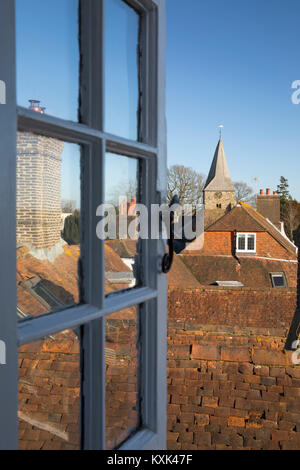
x: 246, y: 235
x: 90, y: 317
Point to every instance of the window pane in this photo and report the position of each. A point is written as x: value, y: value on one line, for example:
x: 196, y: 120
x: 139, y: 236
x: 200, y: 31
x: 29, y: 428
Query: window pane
x: 251, y: 243
x: 121, y: 193
x: 121, y: 70
x: 278, y: 280
x: 241, y: 242
x: 49, y: 393
x: 121, y: 355
x: 48, y: 55
x: 48, y: 224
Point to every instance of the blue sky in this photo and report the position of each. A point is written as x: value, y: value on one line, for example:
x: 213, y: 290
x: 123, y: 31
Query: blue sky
x: 233, y: 62
x: 228, y: 62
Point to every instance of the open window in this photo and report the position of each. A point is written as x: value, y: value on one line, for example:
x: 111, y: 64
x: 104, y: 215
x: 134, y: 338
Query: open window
x: 77, y: 330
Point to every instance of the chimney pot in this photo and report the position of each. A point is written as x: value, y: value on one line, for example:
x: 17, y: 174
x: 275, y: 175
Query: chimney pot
x: 261, y: 192
x: 268, y: 191
x: 275, y: 193
x: 35, y: 106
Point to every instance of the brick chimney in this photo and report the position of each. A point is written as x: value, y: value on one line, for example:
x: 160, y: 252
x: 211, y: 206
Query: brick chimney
x: 39, y: 161
x: 268, y: 205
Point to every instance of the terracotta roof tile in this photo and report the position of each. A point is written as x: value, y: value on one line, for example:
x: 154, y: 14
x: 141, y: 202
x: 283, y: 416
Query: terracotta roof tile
x: 250, y: 272
x: 180, y: 275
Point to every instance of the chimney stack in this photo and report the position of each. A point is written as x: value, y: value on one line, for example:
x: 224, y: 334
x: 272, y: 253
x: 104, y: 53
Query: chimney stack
x: 268, y: 205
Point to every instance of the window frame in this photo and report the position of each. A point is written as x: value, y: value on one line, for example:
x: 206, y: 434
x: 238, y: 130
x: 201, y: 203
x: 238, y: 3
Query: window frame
x: 90, y: 316
x: 247, y: 236
x: 282, y: 274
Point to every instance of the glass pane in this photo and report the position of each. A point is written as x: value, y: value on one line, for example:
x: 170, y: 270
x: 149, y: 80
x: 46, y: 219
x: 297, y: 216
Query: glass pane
x: 279, y: 280
x: 121, y: 70
x: 251, y: 242
x: 121, y: 196
x: 121, y: 356
x: 49, y: 393
x: 241, y: 242
x: 48, y: 56
x: 48, y: 224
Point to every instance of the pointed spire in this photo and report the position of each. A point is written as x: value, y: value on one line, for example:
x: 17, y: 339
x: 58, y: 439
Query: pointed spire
x: 219, y: 177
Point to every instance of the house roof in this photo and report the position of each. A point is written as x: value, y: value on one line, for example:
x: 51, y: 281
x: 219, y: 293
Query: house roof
x: 243, y: 218
x: 250, y: 272
x: 219, y: 177
x: 59, y: 277
x: 180, y: 275
x: 123, y: 248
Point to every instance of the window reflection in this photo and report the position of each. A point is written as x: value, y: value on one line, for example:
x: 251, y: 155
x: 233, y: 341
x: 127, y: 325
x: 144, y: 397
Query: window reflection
x: 49, y: 393
x: 48, y: 55
x: 121, y: 246
x: 122, y: 378
x: 48, y: 224
x: 121, y: 69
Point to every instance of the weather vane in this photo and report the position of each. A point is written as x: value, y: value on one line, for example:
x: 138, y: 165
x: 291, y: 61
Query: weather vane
x: 221, y: 127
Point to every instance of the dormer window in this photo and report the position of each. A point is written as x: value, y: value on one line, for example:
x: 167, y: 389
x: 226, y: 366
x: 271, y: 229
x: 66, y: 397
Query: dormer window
x: 246, y: 243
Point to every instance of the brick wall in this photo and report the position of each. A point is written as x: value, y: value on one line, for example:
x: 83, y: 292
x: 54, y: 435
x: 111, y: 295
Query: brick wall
x: 38, y: 190
x: 221, y: 243
x: 231, y: 384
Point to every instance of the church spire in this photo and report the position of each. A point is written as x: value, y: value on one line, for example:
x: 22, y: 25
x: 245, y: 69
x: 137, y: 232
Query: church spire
x: 219, y: 176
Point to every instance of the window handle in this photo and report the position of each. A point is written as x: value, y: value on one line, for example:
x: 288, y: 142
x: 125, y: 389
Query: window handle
x: 167, y: 260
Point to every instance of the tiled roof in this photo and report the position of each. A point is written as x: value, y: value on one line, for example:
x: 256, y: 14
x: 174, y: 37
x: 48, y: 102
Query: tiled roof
x: 285, y: 242
x: 49, y: 376
x: 243, y: 218
x: 250, y: 272
x: 180, y: 275
x: 123, y: 248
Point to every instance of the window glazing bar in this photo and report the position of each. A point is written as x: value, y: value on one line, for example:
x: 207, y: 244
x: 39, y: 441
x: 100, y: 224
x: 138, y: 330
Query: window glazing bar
x: 37, y: 328
x: 70, y: 131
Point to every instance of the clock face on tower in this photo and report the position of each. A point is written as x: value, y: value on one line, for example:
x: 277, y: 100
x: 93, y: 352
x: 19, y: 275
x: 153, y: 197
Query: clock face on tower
x: 218, y: 195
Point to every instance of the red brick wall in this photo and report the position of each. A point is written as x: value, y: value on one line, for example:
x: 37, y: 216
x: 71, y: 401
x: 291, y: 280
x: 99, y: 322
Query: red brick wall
x: 217, y: 243
x: 221, y: 243
x: 266, y: 245
x: 231, y: 384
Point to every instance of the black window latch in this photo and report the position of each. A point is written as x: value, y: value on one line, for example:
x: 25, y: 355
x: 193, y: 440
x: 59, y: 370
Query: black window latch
x: 167, y: 260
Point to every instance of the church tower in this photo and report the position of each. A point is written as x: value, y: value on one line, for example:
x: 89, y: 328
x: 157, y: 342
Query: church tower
x: 219, y: 193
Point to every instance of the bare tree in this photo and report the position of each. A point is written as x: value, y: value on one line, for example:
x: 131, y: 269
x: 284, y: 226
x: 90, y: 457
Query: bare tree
x: 290, y: 215
x: 68, y: 206
x: 128, y: 188
x: 187, y: 183
x: 244, y: 193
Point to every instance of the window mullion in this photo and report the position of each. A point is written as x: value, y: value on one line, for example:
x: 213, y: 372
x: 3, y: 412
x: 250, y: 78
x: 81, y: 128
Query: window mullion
x: 93, y: 387
x: 93, y: 272
x: 8, y: 317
